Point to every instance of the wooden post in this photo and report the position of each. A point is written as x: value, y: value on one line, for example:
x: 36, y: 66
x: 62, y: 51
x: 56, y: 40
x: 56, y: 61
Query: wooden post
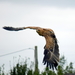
x: 36, y: 59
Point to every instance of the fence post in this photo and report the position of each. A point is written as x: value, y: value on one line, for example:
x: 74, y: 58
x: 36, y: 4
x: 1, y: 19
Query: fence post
x: 36, y: 59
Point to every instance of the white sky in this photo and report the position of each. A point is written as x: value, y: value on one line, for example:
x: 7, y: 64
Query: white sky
x: 57, y: 15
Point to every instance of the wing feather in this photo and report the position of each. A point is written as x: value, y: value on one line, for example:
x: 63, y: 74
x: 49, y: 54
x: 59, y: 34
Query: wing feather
x: 51, y: 57
x: 12, y: 28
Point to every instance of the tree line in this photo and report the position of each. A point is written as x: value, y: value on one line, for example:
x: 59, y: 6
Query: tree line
x: 21, y: 68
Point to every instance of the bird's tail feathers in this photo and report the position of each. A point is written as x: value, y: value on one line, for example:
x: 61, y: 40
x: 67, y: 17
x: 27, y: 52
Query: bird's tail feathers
x: 13, y: 29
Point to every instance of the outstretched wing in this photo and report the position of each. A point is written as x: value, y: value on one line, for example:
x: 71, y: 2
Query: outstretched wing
x: 51, y: 55
x: 12, y: 28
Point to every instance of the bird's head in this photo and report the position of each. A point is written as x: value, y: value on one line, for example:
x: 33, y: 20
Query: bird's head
x: 40, y: 32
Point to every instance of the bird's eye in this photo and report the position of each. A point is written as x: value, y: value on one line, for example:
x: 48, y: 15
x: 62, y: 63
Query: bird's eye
x: 37, y: 30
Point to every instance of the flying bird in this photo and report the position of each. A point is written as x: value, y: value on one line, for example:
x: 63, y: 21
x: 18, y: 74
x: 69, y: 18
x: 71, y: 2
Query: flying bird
x: 51, y: 49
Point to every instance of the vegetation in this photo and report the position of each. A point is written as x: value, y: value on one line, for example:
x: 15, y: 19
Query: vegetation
x: 21, y: 68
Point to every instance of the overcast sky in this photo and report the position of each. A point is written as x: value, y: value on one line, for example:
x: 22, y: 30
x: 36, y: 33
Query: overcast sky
x: 58, y: 15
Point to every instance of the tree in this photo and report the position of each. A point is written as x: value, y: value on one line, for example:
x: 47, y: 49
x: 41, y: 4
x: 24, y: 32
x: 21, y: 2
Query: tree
x: 62, y: 62
x: 21, y: 68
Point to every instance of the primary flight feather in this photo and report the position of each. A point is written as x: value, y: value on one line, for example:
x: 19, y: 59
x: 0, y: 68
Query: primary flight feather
x: 51, y: 49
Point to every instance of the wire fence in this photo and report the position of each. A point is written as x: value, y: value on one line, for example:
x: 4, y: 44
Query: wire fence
x: 16, y: 52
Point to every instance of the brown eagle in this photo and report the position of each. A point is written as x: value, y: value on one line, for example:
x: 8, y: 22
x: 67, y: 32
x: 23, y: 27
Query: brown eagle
x: 51, y: 49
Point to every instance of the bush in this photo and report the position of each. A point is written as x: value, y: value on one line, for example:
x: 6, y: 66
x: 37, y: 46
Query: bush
x: 21, y: 68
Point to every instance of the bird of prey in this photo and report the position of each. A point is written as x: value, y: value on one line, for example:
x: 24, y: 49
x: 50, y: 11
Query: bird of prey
x: 51, y: 49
